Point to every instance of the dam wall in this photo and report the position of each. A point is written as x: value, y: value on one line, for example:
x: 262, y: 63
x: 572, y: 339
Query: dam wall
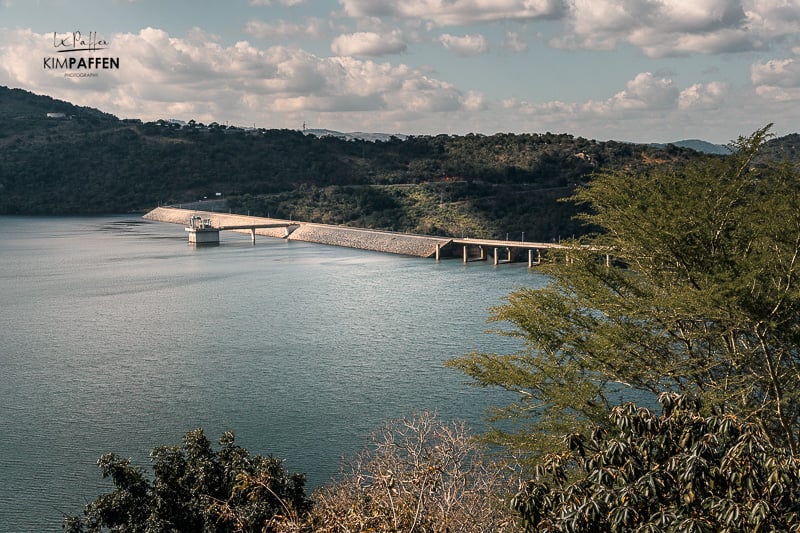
x: 378, y: 241
x: 174, y: 215
x: 362, y: 239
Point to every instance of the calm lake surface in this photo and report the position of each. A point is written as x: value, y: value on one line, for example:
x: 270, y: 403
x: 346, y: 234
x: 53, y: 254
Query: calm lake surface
x: 117, y: 335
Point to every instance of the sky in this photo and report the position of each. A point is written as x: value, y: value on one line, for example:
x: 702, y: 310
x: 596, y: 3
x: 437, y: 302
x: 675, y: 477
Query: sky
x: 628, y: 70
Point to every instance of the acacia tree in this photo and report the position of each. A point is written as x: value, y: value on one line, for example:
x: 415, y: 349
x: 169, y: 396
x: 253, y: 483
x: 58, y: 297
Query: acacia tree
x: 702, y: 298
x: 676, y: 472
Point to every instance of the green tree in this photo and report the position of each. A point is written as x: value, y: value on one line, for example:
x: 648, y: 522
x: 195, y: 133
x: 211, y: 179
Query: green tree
x: 194, y: 489
x: 676, y: 472
x: 701, y: 298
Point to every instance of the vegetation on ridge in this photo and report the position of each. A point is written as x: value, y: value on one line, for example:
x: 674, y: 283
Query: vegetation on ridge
x: 91, y: 162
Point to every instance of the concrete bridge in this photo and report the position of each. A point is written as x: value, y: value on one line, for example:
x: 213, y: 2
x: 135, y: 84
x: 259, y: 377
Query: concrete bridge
x: 204, y: 227
x: 502, y: 251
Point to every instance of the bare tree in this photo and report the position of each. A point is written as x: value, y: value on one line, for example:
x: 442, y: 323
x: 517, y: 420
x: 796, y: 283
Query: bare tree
x: 418, y: 475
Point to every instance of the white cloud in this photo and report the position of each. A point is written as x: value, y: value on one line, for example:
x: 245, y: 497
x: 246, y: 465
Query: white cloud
x: 162, y: 76
x: 328, y: 104
x: 645, y: 92
x: 773, y: 17
x: 675, y: 27
x: 314, y: 28
x: 700, y: 16
x: 367, y: 43
x: 718, y: 42
x: 456, y: 12
x: 200, y: 77
x: 468, y: 45
x: 777, y: 79
x: 777, y: 73
x: 779, y: 94
x: 425, y: 95
x: 703, y: 96
x: 514, y: 42
x: 650, y: 108
x: 475, y: 101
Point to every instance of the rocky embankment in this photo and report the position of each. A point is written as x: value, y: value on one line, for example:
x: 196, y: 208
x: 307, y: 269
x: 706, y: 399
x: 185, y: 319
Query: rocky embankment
x: 379, y: 241
x: 362, y: 239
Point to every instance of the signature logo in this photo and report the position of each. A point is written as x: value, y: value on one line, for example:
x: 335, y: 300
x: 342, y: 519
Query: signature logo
x: 82, y: 65
x: 78, y: 42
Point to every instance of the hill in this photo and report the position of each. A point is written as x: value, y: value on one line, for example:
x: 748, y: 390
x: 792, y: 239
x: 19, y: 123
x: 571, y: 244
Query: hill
x: 87, y: 161
x: 698, y: 146
x: 784, y: 148
x: 355, y: 135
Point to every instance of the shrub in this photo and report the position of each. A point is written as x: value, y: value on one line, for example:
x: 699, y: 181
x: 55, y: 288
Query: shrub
x: 677, y: 472
x: 418, y: 474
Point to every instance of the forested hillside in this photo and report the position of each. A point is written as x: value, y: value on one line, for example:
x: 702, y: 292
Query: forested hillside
x: 505, y: 184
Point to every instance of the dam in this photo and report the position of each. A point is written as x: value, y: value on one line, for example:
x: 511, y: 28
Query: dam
x: 204, y: 227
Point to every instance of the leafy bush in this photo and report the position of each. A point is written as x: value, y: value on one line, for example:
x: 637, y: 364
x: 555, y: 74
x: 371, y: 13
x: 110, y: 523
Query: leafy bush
x: 677, y: 472
x: 194, y: 489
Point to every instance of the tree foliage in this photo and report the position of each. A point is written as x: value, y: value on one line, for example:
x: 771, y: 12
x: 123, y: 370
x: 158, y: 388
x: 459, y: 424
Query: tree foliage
x: 194, y: 489
x: 679, y: 471
x: 703, y: 299
x: 418, y: 474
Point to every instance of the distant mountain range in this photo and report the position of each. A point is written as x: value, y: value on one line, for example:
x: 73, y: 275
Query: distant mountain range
x: 697, y: 145
x: 354, y: 135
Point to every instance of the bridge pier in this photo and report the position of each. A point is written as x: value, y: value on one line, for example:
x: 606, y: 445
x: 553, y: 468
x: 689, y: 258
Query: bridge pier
x: 509, y: 255
x: 538, y: 257
x: 481, y: 253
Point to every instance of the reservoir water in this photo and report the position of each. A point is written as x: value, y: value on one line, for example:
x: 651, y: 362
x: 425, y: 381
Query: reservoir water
x: 117, y: 335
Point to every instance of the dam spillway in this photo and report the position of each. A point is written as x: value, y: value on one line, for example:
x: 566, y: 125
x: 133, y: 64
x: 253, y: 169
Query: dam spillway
x: 362, y: 239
